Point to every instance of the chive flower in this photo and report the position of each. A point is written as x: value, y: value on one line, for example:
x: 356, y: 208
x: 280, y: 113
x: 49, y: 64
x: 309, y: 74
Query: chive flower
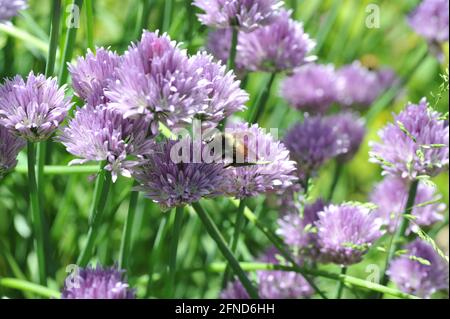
x: 421, y: 271
x: 10, y: 8
x: 415, y: 144
x: 280, y: 46
x: 33, y: 108
x: 346, y: 232
x: 97, y: 283
x: 103, y: 134
x: 92, y: 74
x: 390, y: 196
x: 10, y: 146
x: 246, y: 15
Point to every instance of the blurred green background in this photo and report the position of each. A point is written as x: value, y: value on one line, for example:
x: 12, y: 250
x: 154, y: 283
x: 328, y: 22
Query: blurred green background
x: 340, y: 30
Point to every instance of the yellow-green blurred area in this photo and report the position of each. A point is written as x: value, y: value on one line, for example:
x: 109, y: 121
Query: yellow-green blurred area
x: 343, y: 34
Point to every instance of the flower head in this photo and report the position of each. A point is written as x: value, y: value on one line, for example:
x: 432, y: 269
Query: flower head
x: 102, y: 134
x: 219, y: 44
x: 32, y: 109
x: 10, y: 147
x: 171, y: 179
x: 430, y: 20
x: 350, y: 125
x: 312, y: 88
x: 280, y: 46
x: 346, y: 232
x: 313, y: 142
x: 246, y: 15
x: 390, y: 196
x: 269, y: 168
x: 92, y: 74
x: 276, y: 284
x: 297, y: 230
x: 10, y: 8
x: 415, y: 144
x: 421, y: 271
x: 272, y: 284
x: 157, y: 80
x: 234, y: 290
x: 358, y: 86
x: 97, y: 283
x: 225, y: 97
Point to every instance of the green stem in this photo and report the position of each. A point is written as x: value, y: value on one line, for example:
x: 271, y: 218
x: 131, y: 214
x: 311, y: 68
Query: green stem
x: 168, y: 8
x: 24, y: 36
x: 61, y: 169
x: 125, y: 245
x: 211, y: 228
x: 238, y: 225
x: 294, y: 5
x: 69, y: 47
x: 37, y: 216
x: 54, y: 37
x: 340, y: 287
x: 336, y: 175
x: 278, y: 243
x: 189, y: 30
x: 156, y: 252
x: 258, y: 107
x: 143, y: 19
x: 174, y: 248
x: 49, y: 70
x: 400, y: 231
x: 90, y: 24
x: 326, y: 27
x: 233, y: 49
x: 30, y: 287
x: 8, y: 57
x: 101, y: 191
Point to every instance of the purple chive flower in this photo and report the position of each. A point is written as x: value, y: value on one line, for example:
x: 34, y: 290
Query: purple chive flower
x: 269, y: 168
x: 313, y: 142
x: 158, y: 80
x: 421, y: 271
x: 430, y: 20
x: 352, y: 126
x: 289, y: 200
x: 415, y: 144
x: 32, y: 109
x: 171, y: 178
x: 357, y: 86
x: 280, y: 46
x: 10, y: 8
x: 298, y: 230
x: 246, y: 15
x: 225, y: 97
x: 311, y: 89
x: 102, y: 134
x: 386, y: 78
x: 272, y: 284
x: 219, y: 44
x: 346, y: 232
x: 92, y: 74
x: 234, y: 290
x: 390, y: 196
x: 10, y: 147
x: 97, y: 283
x: 275, y: 284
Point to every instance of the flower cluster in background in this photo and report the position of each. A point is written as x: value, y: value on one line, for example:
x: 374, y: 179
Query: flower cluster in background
x: 10, y: 8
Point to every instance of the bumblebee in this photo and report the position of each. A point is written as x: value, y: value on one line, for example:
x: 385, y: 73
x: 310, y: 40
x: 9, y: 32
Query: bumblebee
x: 236, y: 151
